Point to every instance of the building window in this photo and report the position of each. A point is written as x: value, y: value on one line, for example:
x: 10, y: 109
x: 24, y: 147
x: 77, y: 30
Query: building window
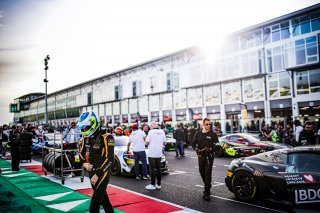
x: 231, y: 92
x: 306, y: 50
x: 302, y: 83
x: 308, y: 82
x: 285, y: 33
x: 295, y: 27
x: 284, y: 83
x: 266, y: 35
x: 275, y: 59
x: 305, y: 25
x: 279, y: 85
x: 117, y: 92
x: 253, y: 90
x: 89, y: 98
x: 169, y: 81
x: 258, y: 38
x: 136, y: 88
x: 315, y: 21
x: 315, y: 81
x: 275, y: 33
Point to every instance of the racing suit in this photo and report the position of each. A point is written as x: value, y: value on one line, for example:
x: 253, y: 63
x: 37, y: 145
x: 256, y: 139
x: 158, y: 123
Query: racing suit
x: 204, y: 144
x: 101, y: 156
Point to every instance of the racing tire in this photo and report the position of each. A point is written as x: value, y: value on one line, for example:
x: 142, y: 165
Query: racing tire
x: 115, y: 167
x: 244, y: 186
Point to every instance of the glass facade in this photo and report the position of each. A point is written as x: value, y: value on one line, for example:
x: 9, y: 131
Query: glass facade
x: 258, y: 67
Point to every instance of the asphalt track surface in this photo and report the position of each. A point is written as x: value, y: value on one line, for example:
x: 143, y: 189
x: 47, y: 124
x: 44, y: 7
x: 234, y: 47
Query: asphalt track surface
x: 182, y: 189
x: 183, y: 186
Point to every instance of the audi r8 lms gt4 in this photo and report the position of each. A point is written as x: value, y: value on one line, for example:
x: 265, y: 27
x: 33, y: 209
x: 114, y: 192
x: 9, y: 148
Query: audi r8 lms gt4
x: 290, y: 176
x: 124, y: 161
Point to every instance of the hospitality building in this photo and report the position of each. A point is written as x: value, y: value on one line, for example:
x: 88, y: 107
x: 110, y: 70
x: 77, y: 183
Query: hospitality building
x: 265, y: 73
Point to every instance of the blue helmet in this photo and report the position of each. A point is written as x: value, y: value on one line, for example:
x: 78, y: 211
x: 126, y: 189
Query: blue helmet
x: 88, y: 123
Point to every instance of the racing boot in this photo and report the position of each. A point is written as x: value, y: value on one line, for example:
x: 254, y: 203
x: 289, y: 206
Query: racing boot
x: 206, y: 196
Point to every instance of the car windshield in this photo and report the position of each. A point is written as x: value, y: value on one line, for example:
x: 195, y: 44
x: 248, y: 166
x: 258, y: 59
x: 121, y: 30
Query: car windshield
x: 253, y: 138
x: 121, y: 141
x: 303, y: 162
x: 54, y: 137
x: 275, y: 156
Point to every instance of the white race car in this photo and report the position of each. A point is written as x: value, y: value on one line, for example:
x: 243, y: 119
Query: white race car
x: 124, y: 161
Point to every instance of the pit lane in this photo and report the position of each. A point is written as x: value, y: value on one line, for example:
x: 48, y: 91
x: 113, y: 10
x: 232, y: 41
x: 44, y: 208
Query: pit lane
x: 183, y: 186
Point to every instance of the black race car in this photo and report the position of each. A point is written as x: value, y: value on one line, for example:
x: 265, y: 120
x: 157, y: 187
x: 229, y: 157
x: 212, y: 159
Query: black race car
x: 291, y: 176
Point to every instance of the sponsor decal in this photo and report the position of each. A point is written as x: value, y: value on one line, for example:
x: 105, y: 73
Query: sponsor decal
x: 311, y: 195
x: 230, y: 151
x: 309, y: 178
x: 247, y: 166
x: 294, y: 179
x: 258, y: 173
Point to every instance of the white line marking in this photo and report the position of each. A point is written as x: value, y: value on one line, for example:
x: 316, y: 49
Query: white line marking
x: 177, y: 172
x: 213, y: 185
x: 162, y: 201
x: 261, y: 207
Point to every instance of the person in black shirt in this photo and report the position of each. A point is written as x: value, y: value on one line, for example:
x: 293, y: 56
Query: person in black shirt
x: 204, y: 144
x: 14, y: 146
x: 178, y: 134
x: 307, y: 135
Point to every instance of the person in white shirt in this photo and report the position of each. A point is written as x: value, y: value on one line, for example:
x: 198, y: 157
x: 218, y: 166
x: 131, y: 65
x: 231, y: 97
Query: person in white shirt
x: 72, y: 134
x: 155, y: 140
x: 298, y: 130
x: 137, y: 138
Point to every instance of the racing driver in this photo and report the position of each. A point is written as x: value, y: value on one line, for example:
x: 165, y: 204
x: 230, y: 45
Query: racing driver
x: 101, y: 156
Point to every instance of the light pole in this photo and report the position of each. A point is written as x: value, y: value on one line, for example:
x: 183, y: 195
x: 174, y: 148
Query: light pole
x: 45, y: 80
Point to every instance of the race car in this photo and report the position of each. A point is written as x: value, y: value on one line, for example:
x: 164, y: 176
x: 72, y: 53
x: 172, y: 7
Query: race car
x: 233, y: 149
x: 290, y: 176
x: 244, y: 144
x: 124, y: 161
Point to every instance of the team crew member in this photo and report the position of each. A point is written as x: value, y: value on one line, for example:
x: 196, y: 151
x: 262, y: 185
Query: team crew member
x: 203, y: 143
x: 137, y: 138
x: 156, y: 139
x: 101, y: 156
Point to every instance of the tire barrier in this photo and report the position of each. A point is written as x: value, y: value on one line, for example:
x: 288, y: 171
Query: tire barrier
x: 25, y: 149
x: 52, y: 163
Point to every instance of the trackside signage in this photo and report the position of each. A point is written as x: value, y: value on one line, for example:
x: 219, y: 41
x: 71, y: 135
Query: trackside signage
x: 311, y: 195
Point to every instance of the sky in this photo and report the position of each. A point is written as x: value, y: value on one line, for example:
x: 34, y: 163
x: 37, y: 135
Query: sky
x: 87, y: 39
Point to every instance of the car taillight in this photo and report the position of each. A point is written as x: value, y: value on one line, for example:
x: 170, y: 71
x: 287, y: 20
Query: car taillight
x: 130, y: 153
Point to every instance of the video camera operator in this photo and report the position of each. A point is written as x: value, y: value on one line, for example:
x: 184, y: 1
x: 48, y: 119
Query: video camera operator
x: 204, y: 143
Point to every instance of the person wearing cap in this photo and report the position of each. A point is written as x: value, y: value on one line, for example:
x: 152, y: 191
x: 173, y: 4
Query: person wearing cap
x: 155, y: 140
x: 137, y: 138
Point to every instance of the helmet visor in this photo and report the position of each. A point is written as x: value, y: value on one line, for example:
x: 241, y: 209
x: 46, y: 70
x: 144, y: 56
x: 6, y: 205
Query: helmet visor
x: 85, y: 128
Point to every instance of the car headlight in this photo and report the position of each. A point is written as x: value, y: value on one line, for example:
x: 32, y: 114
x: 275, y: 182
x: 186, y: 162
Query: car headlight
x: 229, y: 174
